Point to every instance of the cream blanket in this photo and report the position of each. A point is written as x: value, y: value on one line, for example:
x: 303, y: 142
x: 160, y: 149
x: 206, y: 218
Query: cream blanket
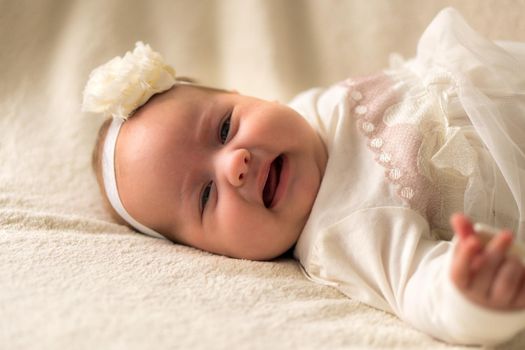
x: 70, y: 277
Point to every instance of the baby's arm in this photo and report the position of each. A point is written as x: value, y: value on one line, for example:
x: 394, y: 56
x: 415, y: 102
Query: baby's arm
x: 487, y: 274
x: 386, y: 258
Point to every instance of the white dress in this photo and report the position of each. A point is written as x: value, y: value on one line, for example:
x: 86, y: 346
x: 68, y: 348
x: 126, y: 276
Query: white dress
x: 440, y: 133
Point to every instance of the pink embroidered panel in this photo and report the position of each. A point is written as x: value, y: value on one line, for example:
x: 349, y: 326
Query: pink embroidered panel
x: 395, y: 147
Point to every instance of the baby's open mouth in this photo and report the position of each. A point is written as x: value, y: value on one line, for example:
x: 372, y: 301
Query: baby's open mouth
x: 272, y: 181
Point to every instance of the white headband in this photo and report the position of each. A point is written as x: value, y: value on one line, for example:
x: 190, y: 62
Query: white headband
x: 110, y: 182
x: 118, y: 88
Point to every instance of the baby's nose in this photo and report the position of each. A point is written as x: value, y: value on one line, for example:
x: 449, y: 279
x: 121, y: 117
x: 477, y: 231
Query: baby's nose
x: 237, y: 169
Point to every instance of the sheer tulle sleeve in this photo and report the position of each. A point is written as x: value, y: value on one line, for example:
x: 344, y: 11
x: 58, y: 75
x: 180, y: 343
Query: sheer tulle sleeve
x: 489, y: 83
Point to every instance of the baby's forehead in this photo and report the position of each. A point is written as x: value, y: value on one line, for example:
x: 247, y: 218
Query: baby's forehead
x: 178, y: 98
x: 184, y: 91
x: 192, y: 100
x: 181, y: 110
x: 178, y: 111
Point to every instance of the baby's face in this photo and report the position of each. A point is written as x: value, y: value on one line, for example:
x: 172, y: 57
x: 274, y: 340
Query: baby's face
x: 219, y: 171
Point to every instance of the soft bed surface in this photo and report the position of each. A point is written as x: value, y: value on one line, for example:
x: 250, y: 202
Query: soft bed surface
x: 72, y: 278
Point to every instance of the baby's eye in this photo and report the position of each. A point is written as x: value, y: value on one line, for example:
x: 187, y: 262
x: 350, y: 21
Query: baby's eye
x: 205, y: 196
x: 225, y: 129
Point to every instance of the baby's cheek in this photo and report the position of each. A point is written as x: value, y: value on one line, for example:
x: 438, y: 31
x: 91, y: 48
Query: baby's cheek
x: 241, y: 220
x: 234, y: 214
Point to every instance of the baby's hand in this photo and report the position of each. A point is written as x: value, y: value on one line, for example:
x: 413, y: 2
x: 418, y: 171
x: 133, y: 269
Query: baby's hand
x: 485, y: 273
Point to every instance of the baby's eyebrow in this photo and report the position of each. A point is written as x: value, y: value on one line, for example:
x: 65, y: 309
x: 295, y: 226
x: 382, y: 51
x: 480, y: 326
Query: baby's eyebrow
x: 190, y: 186
x: 187, y: 195
x: 199, y: 128
x: 203, y: 126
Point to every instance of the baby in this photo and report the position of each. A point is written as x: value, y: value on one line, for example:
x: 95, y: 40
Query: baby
x: 360, y: 179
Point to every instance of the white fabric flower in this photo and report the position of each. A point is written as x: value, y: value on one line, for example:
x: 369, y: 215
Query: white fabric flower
x: 123, y: 84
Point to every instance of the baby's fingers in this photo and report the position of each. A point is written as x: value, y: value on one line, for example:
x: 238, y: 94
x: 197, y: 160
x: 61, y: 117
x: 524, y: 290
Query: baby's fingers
x: 461, y: 225
x: 500, y: 243
x: 520, y: 297
x: 461, y: 264
x: 507, y: 283
x: 488, y: 263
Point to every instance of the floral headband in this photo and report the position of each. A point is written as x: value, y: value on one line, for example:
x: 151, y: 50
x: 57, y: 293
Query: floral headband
x: 118, y: 88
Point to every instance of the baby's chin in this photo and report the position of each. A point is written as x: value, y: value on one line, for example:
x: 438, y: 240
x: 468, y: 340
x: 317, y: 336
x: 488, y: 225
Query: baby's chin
x: 278, y: 250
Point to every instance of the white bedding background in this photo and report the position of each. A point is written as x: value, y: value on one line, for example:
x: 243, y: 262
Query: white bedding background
x: 70, y: 277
